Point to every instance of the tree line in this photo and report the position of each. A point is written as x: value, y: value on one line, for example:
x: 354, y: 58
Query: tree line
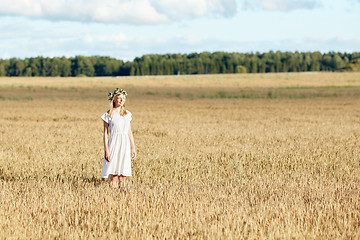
x: 170, y: 64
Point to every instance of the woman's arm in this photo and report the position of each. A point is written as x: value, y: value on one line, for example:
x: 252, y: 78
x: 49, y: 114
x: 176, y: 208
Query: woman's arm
x: 132, y: 143
x: 106, y: 140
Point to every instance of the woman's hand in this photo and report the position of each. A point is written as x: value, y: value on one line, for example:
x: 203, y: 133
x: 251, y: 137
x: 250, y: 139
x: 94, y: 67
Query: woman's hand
x: 107, y: 156
x: 133, y: 153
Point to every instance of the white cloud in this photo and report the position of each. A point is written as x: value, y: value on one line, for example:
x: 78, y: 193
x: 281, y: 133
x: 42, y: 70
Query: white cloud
x: 176, y: 9
x: 281, y: 5
x: 60, y: 41
x: 118, y: 11
x: 24, y: 37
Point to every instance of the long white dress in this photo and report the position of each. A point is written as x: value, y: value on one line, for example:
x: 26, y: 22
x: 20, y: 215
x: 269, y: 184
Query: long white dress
x: 119, y: 145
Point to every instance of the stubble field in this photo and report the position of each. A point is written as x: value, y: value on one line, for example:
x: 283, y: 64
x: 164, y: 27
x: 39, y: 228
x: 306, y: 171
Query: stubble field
x: 252, y: 156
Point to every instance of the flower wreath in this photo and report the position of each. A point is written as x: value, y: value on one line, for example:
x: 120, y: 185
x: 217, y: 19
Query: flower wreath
x: 116, y: 91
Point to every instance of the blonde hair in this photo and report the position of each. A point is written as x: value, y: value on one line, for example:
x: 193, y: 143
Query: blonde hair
x: 112, y: 106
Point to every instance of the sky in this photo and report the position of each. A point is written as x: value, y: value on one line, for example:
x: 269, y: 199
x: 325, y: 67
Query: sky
x: 125, y: 29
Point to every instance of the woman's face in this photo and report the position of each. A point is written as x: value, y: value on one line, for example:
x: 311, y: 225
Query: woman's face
x: 119, y: 100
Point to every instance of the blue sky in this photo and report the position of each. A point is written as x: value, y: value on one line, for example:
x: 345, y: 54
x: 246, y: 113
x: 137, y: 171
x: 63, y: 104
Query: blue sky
x: 125, y: 29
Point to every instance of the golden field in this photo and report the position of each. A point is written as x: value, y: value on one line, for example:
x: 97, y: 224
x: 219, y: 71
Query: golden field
x: 249, y: 156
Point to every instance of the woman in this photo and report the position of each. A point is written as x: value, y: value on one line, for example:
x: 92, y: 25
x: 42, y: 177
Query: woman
x: 119, y: 146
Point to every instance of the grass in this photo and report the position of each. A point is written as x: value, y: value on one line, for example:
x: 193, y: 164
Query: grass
x: 17, y: 98
x: 253, y: 86
x: 318, y: 87
x: 150, y: 93
x: 214, y: 161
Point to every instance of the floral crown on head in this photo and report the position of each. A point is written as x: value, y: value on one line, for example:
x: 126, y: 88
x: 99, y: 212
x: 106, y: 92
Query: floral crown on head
x: 111, y: 95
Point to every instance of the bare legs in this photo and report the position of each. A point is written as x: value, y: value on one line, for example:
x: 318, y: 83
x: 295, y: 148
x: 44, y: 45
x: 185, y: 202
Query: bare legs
x: 115, y: 178
x: 122, y: 181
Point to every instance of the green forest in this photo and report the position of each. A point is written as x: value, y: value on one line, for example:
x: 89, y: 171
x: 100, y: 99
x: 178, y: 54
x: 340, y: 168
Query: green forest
x: 173, y: 64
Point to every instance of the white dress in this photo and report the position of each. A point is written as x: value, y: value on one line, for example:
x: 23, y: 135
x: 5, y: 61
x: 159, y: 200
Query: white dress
x: 119, y: 145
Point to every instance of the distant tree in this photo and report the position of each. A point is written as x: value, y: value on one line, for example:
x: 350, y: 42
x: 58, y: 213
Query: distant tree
x: 4, y: 64
x: 354, y: 65
x: 193, y: 63
x: 54, y: 69
x: 240, y: 69
x: 27, y: 72
x: 82, y: 66
x: 315, y: 64
x: 254, y: 64
x: 34, y: 65
x: 65, y: 67
x: 337, y: 62
x: 327, y: 63
x: 16, y: 67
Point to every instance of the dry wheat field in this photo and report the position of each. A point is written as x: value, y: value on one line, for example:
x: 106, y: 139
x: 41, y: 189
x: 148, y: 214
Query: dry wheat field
x: 249, y: 156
